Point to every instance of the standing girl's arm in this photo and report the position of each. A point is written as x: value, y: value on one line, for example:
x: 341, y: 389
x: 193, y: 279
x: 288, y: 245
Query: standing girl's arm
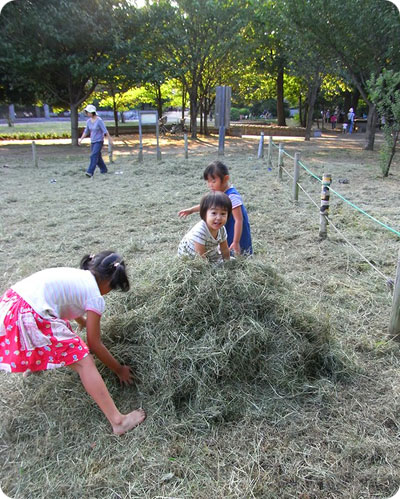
x: 238, y: 227
x: 97, y: 347
x: 189, y: 211
x: 225, y: 250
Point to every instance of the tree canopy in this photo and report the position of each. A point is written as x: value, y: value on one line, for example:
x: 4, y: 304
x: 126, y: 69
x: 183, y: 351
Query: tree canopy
x: 60, y: 51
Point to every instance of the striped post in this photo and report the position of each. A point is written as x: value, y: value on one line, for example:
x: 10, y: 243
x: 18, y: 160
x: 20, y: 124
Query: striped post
x: 394, y: 322
x: 324, y: 208
x: 280, y: 161
x: 296, y: 175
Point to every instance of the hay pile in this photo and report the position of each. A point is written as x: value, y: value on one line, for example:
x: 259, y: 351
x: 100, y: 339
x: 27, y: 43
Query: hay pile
x: 206, y: 340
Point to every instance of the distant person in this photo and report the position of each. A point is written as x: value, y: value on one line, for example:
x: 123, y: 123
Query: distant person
x: 350, y: 119
x: 333, y: 121
x: 237, y: 227
x: 96, y: 128
x: 36, y: 334
x: 344, y: 127
x: 208, y: 237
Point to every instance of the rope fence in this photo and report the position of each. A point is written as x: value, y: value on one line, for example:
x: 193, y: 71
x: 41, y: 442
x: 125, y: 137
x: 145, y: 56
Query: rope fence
x: 325, y: 220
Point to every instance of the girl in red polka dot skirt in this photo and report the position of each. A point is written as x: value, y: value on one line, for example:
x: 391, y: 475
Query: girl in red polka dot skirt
x: 35, y: 333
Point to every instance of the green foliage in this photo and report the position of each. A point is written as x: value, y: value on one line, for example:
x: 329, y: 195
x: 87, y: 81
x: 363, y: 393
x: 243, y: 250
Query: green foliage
x: 385, y: 93
x: 237, y: 112
x: 34, y: 135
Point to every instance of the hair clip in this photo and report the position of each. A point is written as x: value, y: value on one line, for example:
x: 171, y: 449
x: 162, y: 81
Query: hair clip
x: 116, y: 264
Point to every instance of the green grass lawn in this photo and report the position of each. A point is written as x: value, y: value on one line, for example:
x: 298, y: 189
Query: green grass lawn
x: 52, y: 127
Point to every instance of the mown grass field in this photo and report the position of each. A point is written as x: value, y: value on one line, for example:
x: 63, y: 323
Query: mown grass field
x: 336, y: 437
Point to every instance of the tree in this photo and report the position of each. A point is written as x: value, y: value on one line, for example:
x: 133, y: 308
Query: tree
x: 62, y: 46
x: 126, y: 67
x: 193, y: 35
x: 385, y: 94
x: 265, y: 35
x: 362, y: 35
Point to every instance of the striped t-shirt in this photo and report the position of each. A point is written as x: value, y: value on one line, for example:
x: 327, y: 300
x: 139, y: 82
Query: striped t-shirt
x: 201, y: 234
x: 62, y: 292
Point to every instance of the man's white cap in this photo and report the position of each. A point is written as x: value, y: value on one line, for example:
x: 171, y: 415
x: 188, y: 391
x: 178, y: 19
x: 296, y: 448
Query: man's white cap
x: 90, y: 108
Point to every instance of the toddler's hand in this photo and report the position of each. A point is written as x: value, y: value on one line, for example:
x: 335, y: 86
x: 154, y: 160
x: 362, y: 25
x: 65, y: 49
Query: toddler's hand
x: 125, y: 375
x: 184, y: 213
x: 235, y: 247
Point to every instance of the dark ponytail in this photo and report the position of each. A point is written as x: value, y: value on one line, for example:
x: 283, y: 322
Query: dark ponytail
x: 107, y: 266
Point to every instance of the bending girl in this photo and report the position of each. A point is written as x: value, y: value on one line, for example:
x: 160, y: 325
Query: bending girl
x: 35, y: 333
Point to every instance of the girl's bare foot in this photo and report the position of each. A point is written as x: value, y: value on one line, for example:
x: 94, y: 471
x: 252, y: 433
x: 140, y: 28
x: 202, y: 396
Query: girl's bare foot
x: 129, y: 421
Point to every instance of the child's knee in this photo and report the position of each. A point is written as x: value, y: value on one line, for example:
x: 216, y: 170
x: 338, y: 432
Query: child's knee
x: 85, y: 363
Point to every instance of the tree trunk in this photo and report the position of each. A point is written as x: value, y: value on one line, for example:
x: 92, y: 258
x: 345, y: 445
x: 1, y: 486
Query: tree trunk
x: 201, y: 107
x: 355, y: 97
x: 312, y: 96
x: 205, y: 120
x: 183, y: 101
x: 392, y: 153
x: 193, y: 111
x: 115, y: 116
x: 159, y: 99
x: 74, y: 123
x: 371, y: 128
x: 280, y: 111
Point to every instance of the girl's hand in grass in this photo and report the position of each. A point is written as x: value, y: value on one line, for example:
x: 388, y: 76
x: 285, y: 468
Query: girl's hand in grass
x: 125, y: 375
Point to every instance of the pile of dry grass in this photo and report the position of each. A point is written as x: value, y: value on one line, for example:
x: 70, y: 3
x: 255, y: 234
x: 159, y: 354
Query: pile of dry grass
x: 205, y: 340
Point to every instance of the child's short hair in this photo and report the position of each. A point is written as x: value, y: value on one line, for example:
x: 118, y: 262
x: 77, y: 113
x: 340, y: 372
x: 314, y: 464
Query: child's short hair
x: 216, y: 169
x: 107, y: 265
x: 215, y: 199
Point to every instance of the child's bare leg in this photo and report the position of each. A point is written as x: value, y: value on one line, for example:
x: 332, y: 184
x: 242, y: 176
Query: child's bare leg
x: 96, y: 388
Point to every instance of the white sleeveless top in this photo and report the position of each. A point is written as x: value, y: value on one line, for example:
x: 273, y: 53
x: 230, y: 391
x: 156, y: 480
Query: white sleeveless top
x: 61, y: 292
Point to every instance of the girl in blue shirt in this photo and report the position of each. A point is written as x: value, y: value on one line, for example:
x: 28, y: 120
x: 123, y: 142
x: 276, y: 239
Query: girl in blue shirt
x: 237, y: 227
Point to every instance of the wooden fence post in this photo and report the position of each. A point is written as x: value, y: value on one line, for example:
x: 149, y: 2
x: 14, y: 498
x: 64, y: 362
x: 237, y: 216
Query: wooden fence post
x: 269, y: 158
x: 110, y: 152
x: 296, y: 175
x: 158, y: 140
x: 261, y: 146
x: 324, y: 208
x: 394, y: 323
x: 34, y: 155
x: 140, y: 157
x: 186, y: 145
x: 280, y: 161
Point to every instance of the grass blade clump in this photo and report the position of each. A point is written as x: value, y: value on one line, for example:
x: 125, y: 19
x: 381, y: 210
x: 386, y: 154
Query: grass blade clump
x: 206, y: 339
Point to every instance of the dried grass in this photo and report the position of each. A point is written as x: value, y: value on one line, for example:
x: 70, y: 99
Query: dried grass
x: 270, y: 377
x: 206, y: 339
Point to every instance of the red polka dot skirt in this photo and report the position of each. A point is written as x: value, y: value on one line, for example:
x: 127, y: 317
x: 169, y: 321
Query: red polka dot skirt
x: 29, y: 341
